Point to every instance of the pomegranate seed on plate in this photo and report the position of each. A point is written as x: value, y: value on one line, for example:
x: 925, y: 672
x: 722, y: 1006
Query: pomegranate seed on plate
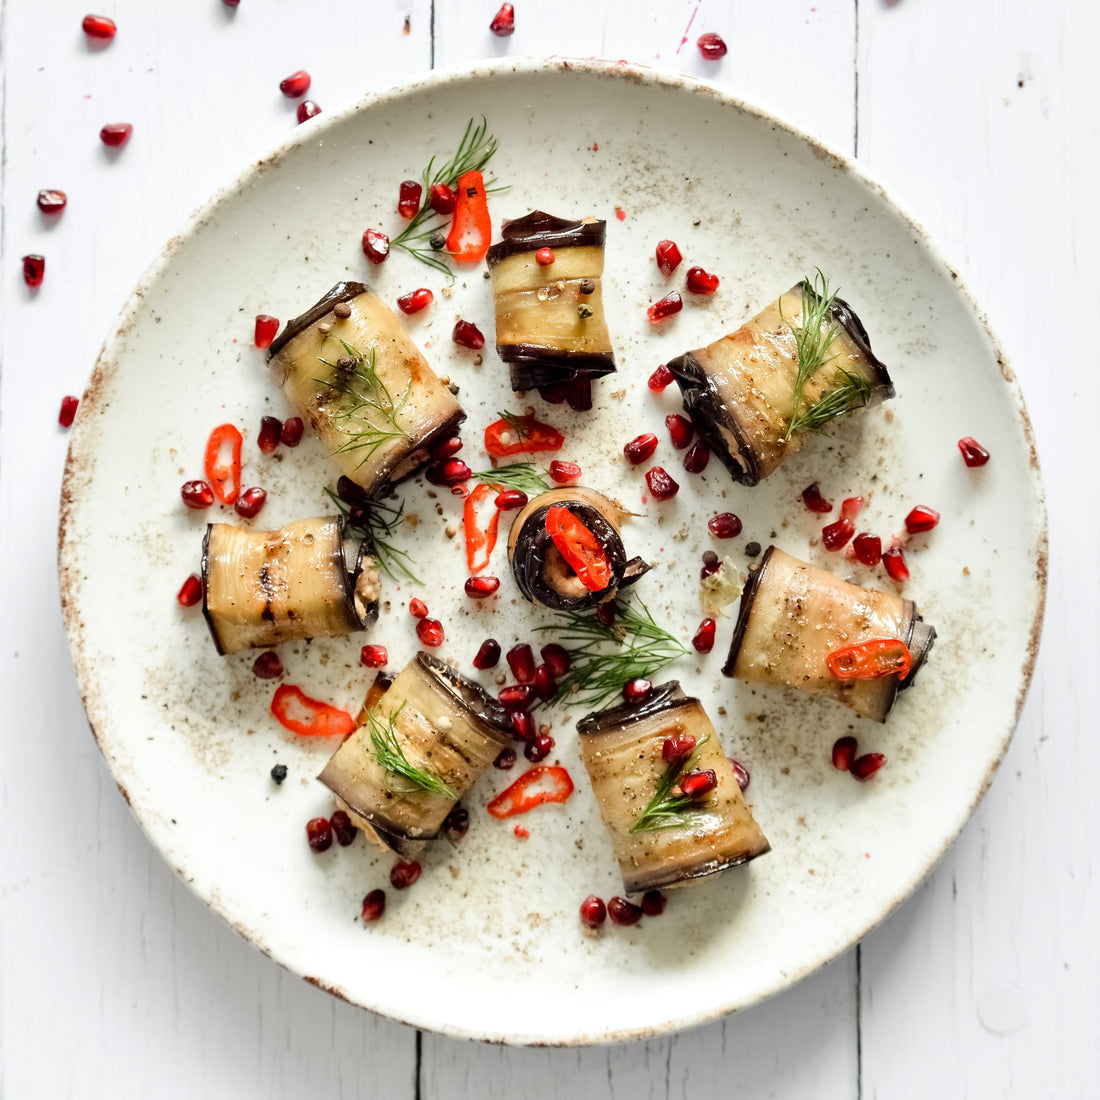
x: 374, y: 904
x: 488, y: 654
x: 99, y: 26
x: 510, y: 499
x: 190, y: 591
x: 441, y: 198
x: 636, y: 690
x: 740, y: 773
x: 271, y: 431
x: 667, y: 306
x: 295, y: 85
x: 836, y: 535
x: 374, y: 656
x: 844, y: 752
x: 404, y: 873
x: 319, y: 834
x: 418, y: 609
x: 680, y: 430
x: 67, y: 413
x: 660, y: 484
x: 538, y: 750
x: 517, y: 697
x: 467, y: 335
x: 703, y: 639
x: 653, y: 903
x: 504, y: 22
x: 698, y: 783
x: 197, y: 494
x: 700, y: 282
x: 676, y: 748
x: 481, y: 588
x: 668, y: 256
x: 697, y: 457
x: 812, y: 498
x: 116, y: 133
x: 34, y: 270
x: 851, y: 508
x: 349, y: 492
x: 725, y: 525
x: 506, y: 759
x: 640, y: 448
x: 974, y: 454
x: 449, y: 447
x: 451, y: 472
x: 267, y: 328
x: 342, y: 828
x: 606, y: 613
x: 865, y: 766
x: 268, y: 666
x: 893, y: 561
x: 415, y: 300
x: 250, y: 503
x: 457, y: 823
x: 52, y: 202
x: 545, y: 687
x: 867, y: 548
x: 660, y: 379
x: 922, y: 518
x: 557, y: 659
x: 408, y: 199
x: 291, y: 435
x: 376, y: 245
x: 711, y: 564
x: 522, y: 663
x: 579, y: 395
x: 623, y: 912
x: 307, y: 109
x: 564, y: 472
x: 523, y: 726
x: 712, y: 46
x: 593, y: 912
x: 544, y: 257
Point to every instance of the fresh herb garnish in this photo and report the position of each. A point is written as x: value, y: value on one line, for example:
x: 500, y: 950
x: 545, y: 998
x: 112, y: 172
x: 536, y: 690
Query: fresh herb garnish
x: 849, y: 392
x: 595, y: 674
x: 389, y: 753
x: 813, y: 336
x: 379, y: 522
x: 516, y: 475
x: 665, y: 809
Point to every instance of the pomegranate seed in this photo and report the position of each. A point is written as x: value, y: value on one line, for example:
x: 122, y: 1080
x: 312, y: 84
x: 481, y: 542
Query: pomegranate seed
x: 481, y: 588
x: 680, y: 430
x: 668, y: 256
x: 545, y: 687
x: 544, y: 257
x: 653, y: 903
x: 675, y: 749
x: 307, y: 109
x: 697, y: 784
x: 517, y: 697
x: 116, y: 133
x: 712, y: 46
x: 374, y: 656
x: 660, y: 379
x: 623, y: 912
x: 448, y: 447
x: 974, y: 454
x: 267, y: 328
x: 231, y: 3
x: 538, y: 750
x: 506, y: 759
x: 374, y: 904
x: 430, y: 632
x: 640, y: 448
x: 921, y: 518
x: 579, y: 395
x: 67, y: 412
x: 451, y: 472
x: 295, y: 85
x: 342, y: 828
x: 555, y: 393
x: 844, y: 752
x: 415, y: 300
x: 408, y: 199
x: 403, y: 874
x: 866, y: 765
x: 34, y: 270
x: 606, y: 614
x: 250, y: 502
x: 376, y: 246
x: 867, y: 549
x: 636, y: 690
x: 725, y: 525
x: 271, y: 431
x: 197, y: 494
x: 893, y: 561
x: 509, y: 499
x: 291, y: 435
x: 700, y: 282
x: 564, y: 472
x: 190, y: 591
x: 813, y: 499
x: 488, y: 654
x: 851, y: 508
x: 467, y: 335
x: 695, y: 461
x: 557, y: 659
x: 666, y: 307
x: 593, y: 912
x: 268, y: 666
x: 711, y: 564
x: 319, y: 834
x: 457, y: 823
x: 504, y: 22
x: 703, y: 641
x: 441, y: 198
x: 660, y: 484
x: 740, y: 773
x: 52, y: 202
x: 523, y: 726
x: 835, y: 535
x: 349, y: 492
x: 99, y: 26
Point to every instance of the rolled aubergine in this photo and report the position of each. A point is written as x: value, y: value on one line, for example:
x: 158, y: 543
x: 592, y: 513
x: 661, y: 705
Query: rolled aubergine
x: 261, y: 588
x: 550, y: 322
x: 740, y: 390
x: 446, y: 729
x: 364, y: 387
x: 542, y: 572
x: 793, y: 615
x: 622, y: 752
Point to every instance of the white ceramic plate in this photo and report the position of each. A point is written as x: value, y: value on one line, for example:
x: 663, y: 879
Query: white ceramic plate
x: 488, y: 943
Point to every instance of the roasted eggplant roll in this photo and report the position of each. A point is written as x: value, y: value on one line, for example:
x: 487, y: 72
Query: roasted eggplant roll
x: 265, y: 587
x: 566, y: 550
x: 351, y: 371
x: 741, y: 390
x: 423, y: 744
x: 662, y: 835
x: 793, y: 615
x: 550, y: 320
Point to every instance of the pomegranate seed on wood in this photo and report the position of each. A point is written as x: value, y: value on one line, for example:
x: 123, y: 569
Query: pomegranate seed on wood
x: 700, y: 282
x: 376, y: 245
x: 668, y: 256
x: 271, y: 431
x: 374, y: 656
x: 623, y: 912
x: 564, y: 472
x: 517, y: 697
x: 268, y: 666
x: 408, y: 199
x: 712, y: 46
x: 190, y: 591
x: 834, y: 536
x: 556, y: 658
x: 725, y: 525
x: 99, y: 26
x: 867, y: 765
x: 677, y: 748
x: 267, y: 328
x: 593, y: 912
x: 703, y: 640
x: 510, y: 499
x: 660, y: 379
x: 667, y: 306
x: 296, y: 84
x: 404, y: 873
x: 441, y: 198
x: 250, y: 502
x: 197, y: 494
x: 307, y: 109
x: 636, y: 690
x: 67, y: 412
x: 812, y: 498
x: 291, y: 435
x: 116, y: 133
x: 430, y: 632
x: 660, y: 484
x: 467, y: 335
x: 342, y: 828
x: 697, y: 457
x: 867, y: 549
x: 740, y: 773
x: 319, y: 834
x: 506, y: 759
x: 698, y: 784
x: 488, y: 654
x: 640, y: 448
x: 974, y: 454
x: 522, y: 663
x: 538, y: 750
x: 52, y: 202
x: 457, y: 823
x: 653, y: 903
x: 844, y: 752
x: 893, y: 561
x: 415, y: 300
x: 523, y: 726
x: 34, y: 270
x: 481, y: 588
x: 504, y: 22
x: 922, y: 518
x: 374, y: 904
x: 680, y: 430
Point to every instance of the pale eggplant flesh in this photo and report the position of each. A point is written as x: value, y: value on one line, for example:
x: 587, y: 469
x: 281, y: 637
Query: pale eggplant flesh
x: 739, y: 390
x: 408, y: 410
x: 543, y: 575
x: 261, y: 588
x: 622, y: 752
x: 793, y: 615
x: 446, y: 725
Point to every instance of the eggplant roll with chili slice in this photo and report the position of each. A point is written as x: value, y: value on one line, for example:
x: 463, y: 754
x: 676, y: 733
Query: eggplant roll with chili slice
x: 622, y: 749
x: 542, y: 572
x: 350, y: 370
x: 424, y: 742
x: 261, y: 588
x: 740, y: 390
x: 551, y: 328
x: 793, y: 615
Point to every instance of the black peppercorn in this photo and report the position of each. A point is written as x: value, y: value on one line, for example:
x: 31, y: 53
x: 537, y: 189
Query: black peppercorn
x: 437, y: 241
x: 752, y: 549
x: 278, y: 773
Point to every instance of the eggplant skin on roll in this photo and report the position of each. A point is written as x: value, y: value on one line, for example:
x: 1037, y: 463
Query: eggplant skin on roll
x: 351, y: 372
x: 666, y: 791
x: 793, y: 615
x: 566, y: 550
x: 756, y: 394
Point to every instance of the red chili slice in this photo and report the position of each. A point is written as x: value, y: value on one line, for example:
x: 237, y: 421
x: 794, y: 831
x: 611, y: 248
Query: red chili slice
x: 580, y: 548
x: 480, y: 540
x: 224, y: 476
x: 521, y: 435
x: 471, y: 229
x: 515, y: 800
x: 870, y: 660
x: 308, y: 717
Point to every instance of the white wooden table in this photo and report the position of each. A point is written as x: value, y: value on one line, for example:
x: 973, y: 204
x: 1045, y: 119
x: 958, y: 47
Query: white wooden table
x: 117, y: 982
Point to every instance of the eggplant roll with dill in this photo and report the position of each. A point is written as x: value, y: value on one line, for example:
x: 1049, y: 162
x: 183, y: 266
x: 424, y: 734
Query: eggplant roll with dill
x: 801, y: 362
x: 350, y: 370
x: 261, y: 588
x: 793, y: 615
x: 662, y: 839
x: 545, y: 574
x: 550, y: 320
x: 421, y: 745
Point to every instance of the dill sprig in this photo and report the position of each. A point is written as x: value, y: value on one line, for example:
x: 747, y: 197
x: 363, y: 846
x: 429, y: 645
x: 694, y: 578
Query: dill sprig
x: 813, y: 336
x: 665, y: 809
x: 516, y: 475
x: 380, y: 521
x: 849, y: 392
x: 389, y: 753
x: 597, y: 674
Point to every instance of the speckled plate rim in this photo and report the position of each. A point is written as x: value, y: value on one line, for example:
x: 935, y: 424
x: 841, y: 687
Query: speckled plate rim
x: 434, y: 82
